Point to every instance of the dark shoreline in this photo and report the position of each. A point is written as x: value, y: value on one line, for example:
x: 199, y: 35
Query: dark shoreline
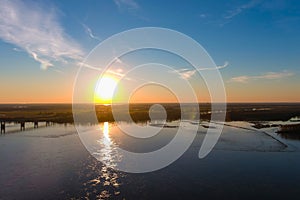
x: 62, y: 113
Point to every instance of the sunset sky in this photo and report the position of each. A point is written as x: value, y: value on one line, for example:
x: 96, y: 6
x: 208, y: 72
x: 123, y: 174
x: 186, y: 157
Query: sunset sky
x: 255, y: 43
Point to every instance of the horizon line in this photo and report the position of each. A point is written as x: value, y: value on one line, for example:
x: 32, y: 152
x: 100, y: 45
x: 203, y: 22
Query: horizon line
x: 228, y: 102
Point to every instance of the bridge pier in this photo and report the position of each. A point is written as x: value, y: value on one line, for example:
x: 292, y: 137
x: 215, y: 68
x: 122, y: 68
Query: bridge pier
x: 2, y: 127
x: 22, y: 126
x: 36, y: 125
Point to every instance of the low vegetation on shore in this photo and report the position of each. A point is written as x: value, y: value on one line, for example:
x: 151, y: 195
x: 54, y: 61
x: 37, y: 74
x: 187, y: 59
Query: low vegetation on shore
x: 62, y: 113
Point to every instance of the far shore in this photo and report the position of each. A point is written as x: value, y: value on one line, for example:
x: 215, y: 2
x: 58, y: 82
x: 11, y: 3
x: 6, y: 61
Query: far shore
x: 62, y: 113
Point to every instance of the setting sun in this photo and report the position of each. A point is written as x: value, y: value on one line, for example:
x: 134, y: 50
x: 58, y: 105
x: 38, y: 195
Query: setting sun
x: 105, y: 89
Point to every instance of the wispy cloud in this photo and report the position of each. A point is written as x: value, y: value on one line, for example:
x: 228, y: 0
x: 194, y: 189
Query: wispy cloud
x: 267, y: 76
x: 203, y: 16
x: 239, y: 9
x: 212, y: 68
x: 90, y: 32
x: 116, y: 72
x: 187, y: 73
x: 230, y: 14
x: 37, y: 32
x: 128, y: 4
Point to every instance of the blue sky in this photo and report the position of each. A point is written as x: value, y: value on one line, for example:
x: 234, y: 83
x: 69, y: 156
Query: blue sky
x: 41, y: 42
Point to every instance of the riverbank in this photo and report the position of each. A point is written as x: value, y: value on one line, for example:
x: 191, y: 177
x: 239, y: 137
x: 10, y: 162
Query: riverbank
x: 62, y: 113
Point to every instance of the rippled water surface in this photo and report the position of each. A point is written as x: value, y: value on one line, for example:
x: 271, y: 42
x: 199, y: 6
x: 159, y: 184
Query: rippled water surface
x: 52, y: 163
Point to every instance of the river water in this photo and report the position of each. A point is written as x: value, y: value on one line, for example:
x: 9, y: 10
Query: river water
x: 52, y: 163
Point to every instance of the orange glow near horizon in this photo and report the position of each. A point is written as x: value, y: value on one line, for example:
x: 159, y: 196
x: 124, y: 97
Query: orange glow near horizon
x: 60, y: 90
x: 153, y: 94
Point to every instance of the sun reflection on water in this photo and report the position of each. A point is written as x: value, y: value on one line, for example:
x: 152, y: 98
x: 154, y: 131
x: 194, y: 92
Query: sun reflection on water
x: 106, y: 184
x: 107, y: 153
x: 106, y: 131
